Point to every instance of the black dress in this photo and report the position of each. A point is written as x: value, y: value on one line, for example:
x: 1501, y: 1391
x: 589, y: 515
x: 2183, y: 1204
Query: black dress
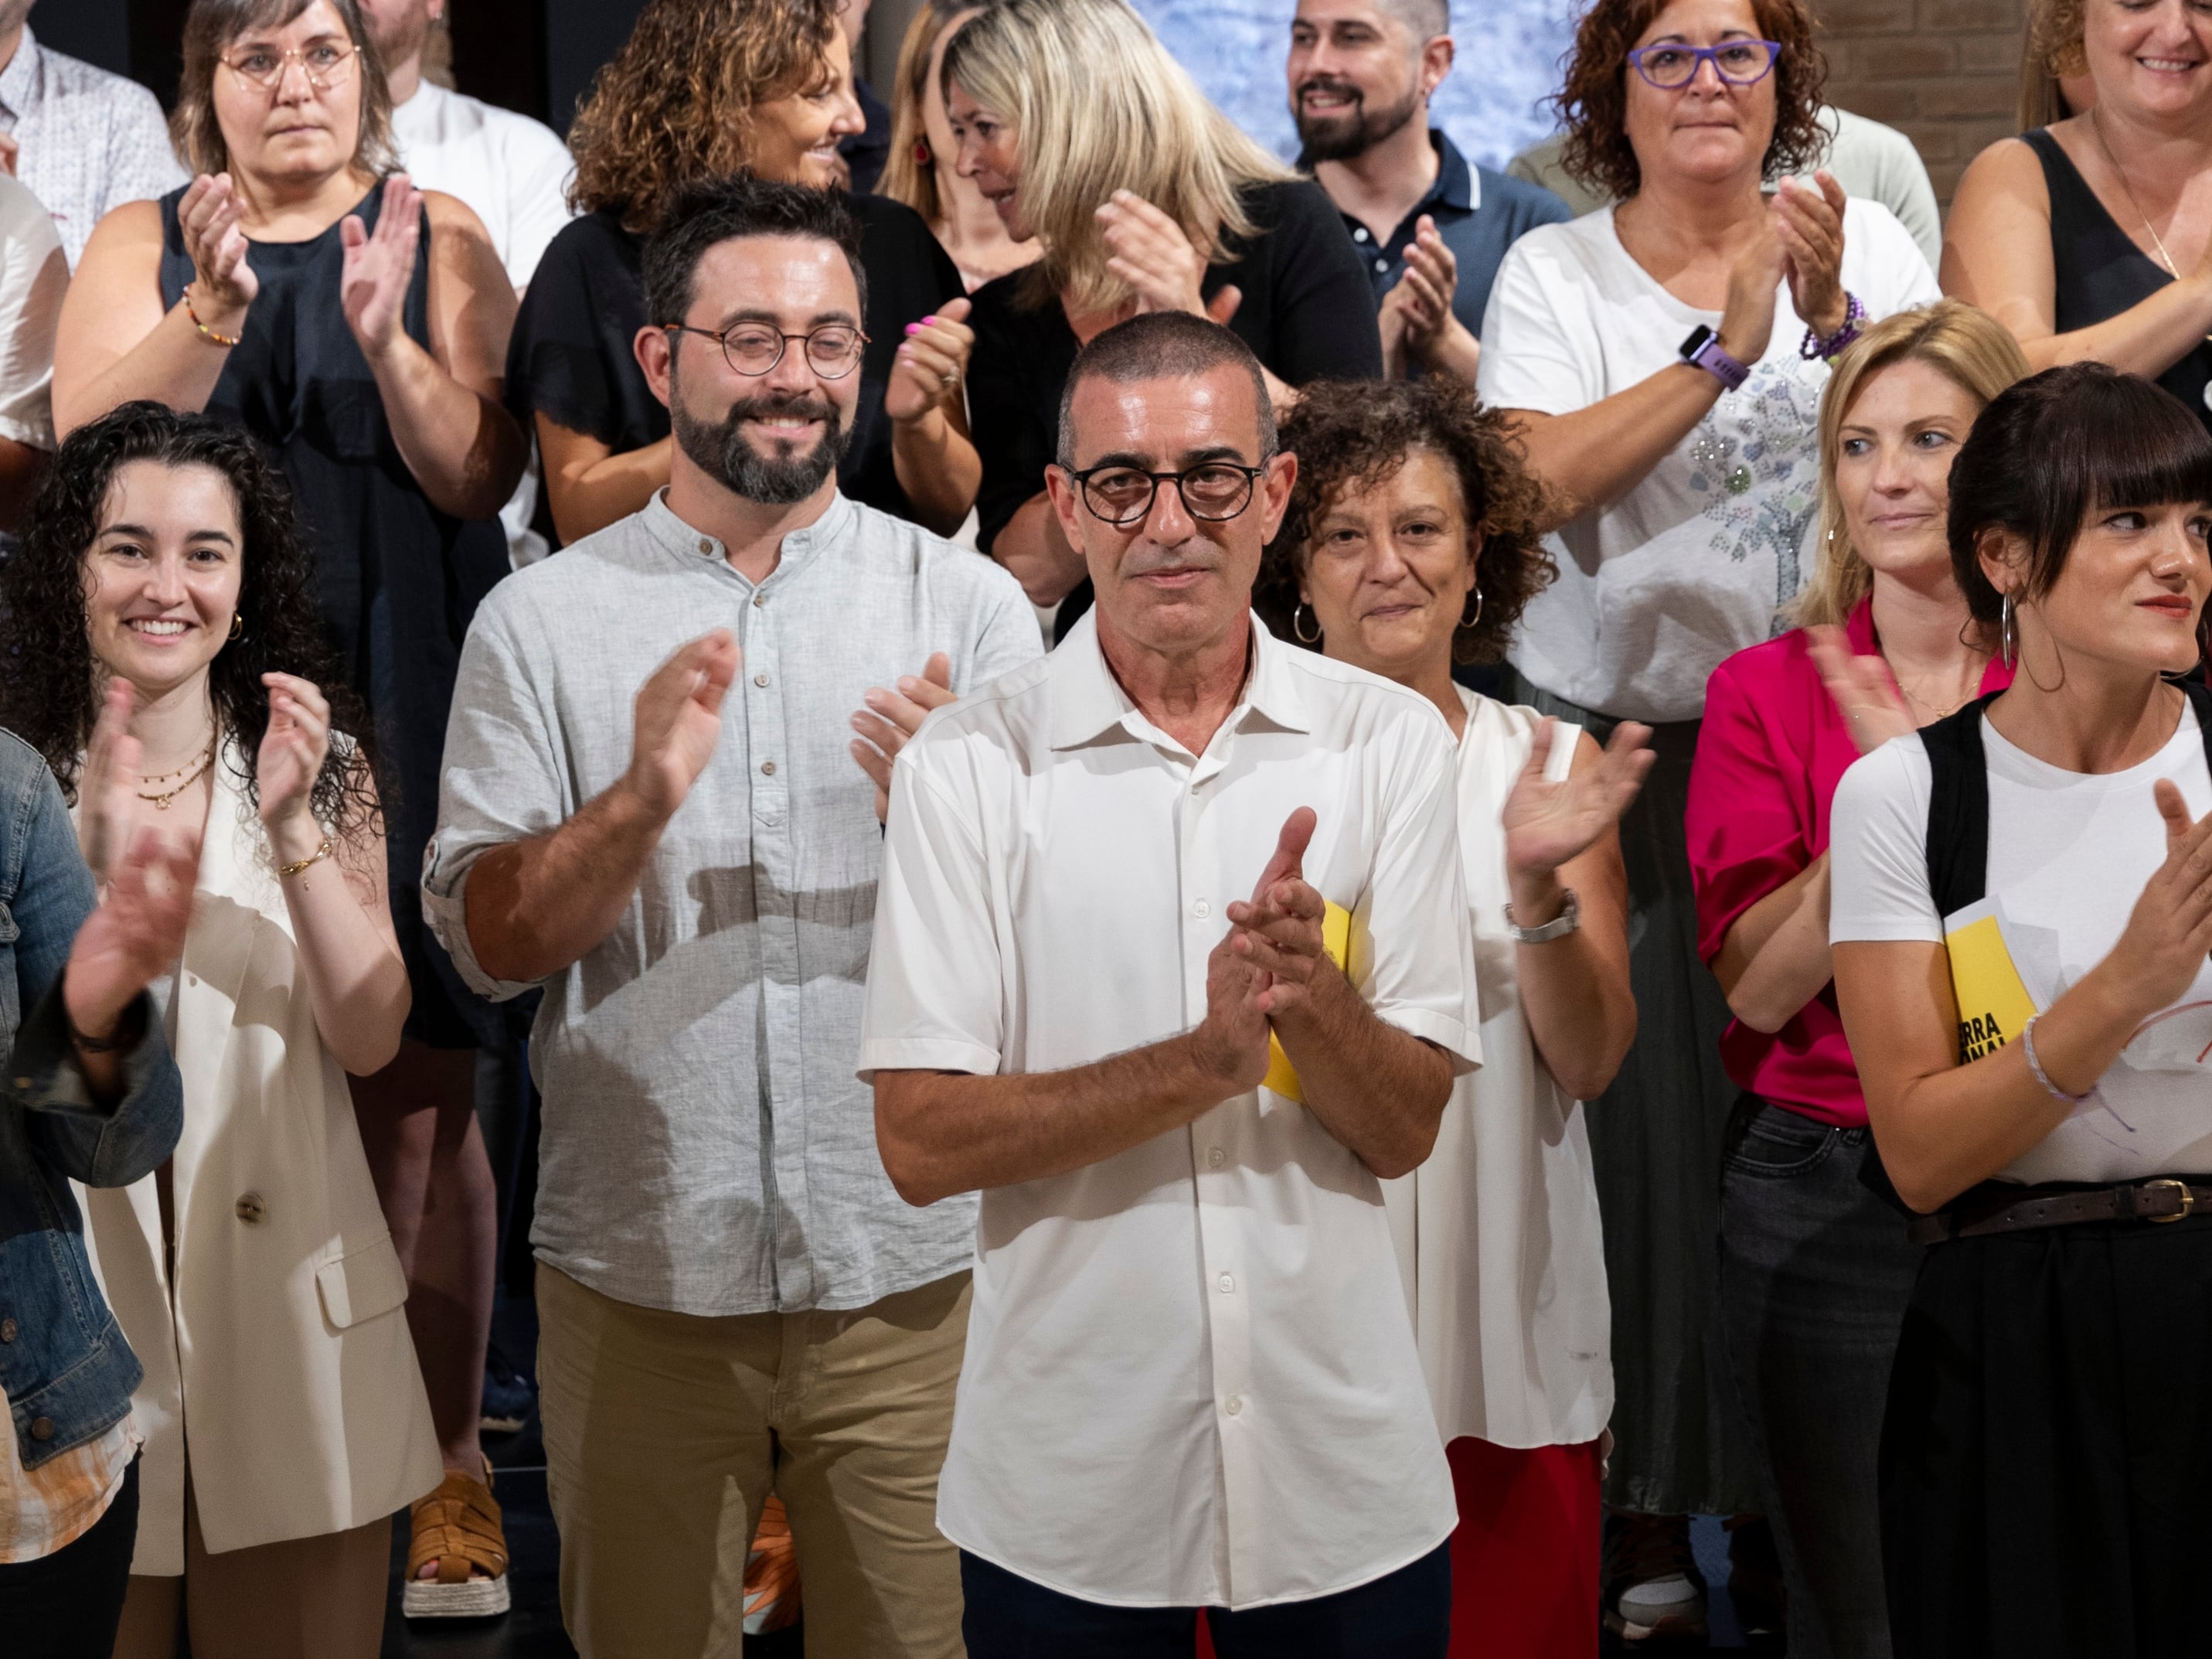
x: 571, y: 358
x: 397, y: 580
x: 1307, y: 313
x: 2100, y: 271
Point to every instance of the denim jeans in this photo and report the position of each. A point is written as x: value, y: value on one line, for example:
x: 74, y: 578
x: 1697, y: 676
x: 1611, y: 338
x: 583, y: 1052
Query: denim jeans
x: 1405, y: 1614
x: 1815, y: 1272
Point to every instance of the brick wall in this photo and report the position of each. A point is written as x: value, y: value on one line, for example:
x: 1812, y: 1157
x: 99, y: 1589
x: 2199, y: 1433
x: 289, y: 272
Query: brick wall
x: 1945, y: 72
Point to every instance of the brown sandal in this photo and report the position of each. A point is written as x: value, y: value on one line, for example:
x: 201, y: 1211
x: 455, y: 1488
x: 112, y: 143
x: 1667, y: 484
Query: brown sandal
x: 458, y: 1527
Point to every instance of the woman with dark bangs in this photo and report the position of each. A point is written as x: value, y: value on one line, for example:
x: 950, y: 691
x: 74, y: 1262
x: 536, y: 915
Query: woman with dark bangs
x: 168, y: 661
x: 704, y: 89
x: 1664, y: 358
x: 2022, y: 912
x: 1411, y: 544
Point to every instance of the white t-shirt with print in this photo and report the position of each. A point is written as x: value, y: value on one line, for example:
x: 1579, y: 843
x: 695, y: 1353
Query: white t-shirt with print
x: 2069, y: 854
x: 1690, y: 565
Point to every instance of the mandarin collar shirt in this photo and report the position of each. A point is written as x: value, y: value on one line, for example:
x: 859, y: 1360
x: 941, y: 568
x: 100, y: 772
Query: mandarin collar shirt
x: 1190, y: 1378
x: 707, y: 1148
x: 91, y: 141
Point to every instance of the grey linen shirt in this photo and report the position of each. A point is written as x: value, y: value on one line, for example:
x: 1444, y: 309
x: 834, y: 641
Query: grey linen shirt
x: 708, y: 1147
x: 92, y: 141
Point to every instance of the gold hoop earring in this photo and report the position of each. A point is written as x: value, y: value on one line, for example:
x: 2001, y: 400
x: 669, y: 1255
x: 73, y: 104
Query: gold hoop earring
x: 1466, y: 621
x: 1300, y: 634
x: 237, y: 626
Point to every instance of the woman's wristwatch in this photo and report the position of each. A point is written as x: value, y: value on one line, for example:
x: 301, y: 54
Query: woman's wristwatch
x: 1569, y: 918
x: 1703, y: 351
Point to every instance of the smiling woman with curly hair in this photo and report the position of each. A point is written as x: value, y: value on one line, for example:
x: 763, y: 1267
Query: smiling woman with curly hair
x: 1411, y: 540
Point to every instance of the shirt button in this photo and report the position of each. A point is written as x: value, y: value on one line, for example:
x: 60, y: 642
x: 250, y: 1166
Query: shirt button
x: 1360, y: 236
x: 1202, y: 910
x: 759, y: 599
x: 1228, y: 1283
x: 42, y: 1428
x: 768, y: 768
x: 760, y: 679
x: 1233, y: 1405
x: 250, y: 1209
x: 1216, y: 1157
x: 7, y: 1330
x: 1380, y: 265
x: 706, y: 546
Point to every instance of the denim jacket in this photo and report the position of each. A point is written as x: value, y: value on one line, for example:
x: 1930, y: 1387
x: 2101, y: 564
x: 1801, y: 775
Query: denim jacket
x: 67, y: 1372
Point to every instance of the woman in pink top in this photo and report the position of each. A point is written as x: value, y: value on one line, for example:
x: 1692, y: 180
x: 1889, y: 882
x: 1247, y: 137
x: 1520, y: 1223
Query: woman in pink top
x: 1815, y: 1268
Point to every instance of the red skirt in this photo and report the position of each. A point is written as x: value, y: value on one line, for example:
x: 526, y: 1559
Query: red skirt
x: 1524, y: 1556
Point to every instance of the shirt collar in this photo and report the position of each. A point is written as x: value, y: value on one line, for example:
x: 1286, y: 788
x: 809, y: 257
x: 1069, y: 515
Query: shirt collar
x: 1087, y: 701
x: 799, y: 547
x: 1458, y: 185
x: 19, y: 82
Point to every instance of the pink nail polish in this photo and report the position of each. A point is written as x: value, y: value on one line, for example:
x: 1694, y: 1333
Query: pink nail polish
x: 913, y: 328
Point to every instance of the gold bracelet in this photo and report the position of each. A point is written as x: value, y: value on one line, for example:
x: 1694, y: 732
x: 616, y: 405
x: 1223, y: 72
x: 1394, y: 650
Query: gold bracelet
x: 207, y: 333
x: 316, y: 857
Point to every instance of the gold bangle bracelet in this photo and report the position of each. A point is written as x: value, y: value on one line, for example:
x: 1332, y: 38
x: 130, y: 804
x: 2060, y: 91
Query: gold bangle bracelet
x: 316, y: 857
x: 206, y: 333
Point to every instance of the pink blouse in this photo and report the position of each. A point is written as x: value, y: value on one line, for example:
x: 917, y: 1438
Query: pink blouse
x: 1770, y: 754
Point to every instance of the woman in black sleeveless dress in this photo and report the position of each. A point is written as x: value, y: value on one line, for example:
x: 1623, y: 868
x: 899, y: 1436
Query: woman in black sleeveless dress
x: 2092, y: 238
x: 357, y: 327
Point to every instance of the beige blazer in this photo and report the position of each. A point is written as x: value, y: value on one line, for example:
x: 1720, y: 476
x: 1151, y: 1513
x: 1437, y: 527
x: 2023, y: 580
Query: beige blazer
x: 280, y: 1354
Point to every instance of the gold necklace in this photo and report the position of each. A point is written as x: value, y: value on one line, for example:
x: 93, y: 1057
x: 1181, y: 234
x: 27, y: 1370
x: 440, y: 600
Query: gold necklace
x: 1941, y: 712
x: 2157, y: 241
x: 199, y: 768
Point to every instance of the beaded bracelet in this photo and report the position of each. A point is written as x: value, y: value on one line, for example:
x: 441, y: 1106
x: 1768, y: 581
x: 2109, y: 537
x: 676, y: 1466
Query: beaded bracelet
x: 1815, y: 345
x: 2035, y: 1065
x: 206, y: 333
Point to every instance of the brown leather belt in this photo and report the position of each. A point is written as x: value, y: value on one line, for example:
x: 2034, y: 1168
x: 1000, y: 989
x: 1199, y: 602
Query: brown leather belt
x: 2165, y: 1200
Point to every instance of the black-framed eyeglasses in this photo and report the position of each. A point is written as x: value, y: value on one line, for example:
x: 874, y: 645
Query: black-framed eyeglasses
x: 833, y: 350
x: 325, y: 62
x: 1672, y: 65
x: 1215, y: 491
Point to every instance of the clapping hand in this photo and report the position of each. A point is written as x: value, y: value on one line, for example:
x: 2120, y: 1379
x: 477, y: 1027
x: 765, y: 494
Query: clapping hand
x: 1551, y: 822
x: 926, y: 370
x: 1864, y: 692
x: 1417, y: 319
x: 292, y: 750
x: 1809, y: 226
x: 134, y: 936
x: 223, y: 283
x: 679, y: 721
x: 109, y: 781
x: 1279, y: 932
x: 1150, y: 251
x: 2169, y: 932
x: 379, y: 266
x: 892, y: 717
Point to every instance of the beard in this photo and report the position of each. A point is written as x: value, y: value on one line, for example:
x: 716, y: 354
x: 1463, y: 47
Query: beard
x: 1356, y: 131
x: 401, y: 37
x: 724, y: 452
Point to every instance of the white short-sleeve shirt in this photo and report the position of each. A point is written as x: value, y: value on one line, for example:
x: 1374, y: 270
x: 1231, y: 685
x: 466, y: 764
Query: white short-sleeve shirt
x: 34, y: 277
x: 1692, y: 564
x: 511, y: 172
x: 1190, y: 1378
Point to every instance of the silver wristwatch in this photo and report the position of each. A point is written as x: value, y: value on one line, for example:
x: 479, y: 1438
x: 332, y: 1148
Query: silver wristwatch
x: 1569, y: 918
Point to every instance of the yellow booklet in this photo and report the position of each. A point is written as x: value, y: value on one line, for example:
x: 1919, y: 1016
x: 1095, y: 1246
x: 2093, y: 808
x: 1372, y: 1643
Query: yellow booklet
x: 1993, y: 1001
x: 1336, y: 939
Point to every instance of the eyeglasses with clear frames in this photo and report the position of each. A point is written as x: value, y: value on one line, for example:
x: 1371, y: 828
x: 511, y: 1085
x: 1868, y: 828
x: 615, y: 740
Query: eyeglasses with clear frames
x: 325, y: 62
x: 1215, y: 491
x: 833, y: 350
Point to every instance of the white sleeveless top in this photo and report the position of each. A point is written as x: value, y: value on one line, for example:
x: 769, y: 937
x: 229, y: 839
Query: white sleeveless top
x: 281, y: 1354
x: 1498, y: 1235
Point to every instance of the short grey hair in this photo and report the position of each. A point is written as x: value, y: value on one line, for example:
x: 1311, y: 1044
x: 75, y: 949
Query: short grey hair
x: 1157, y: 345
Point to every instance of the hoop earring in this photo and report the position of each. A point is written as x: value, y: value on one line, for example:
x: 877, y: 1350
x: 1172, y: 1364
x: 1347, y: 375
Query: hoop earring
x: 921, y: 153
x: 237, y: 626
x: 1466, y: 621
x: 1298, y: 633
x: 2008, y: 633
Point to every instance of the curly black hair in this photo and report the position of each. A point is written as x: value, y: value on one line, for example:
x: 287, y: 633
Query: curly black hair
x: 49, y: 696
x: 1353, y: 434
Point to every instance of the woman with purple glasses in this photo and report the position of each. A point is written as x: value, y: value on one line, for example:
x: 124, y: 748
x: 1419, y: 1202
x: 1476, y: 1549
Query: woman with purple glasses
x: 1664, y: 359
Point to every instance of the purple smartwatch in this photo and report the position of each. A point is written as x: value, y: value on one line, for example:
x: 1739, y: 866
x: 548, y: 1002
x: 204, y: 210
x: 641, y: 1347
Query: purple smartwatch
x: 1703, y: 349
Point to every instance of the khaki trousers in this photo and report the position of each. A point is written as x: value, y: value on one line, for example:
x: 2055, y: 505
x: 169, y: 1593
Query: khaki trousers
x: 665, y: 1433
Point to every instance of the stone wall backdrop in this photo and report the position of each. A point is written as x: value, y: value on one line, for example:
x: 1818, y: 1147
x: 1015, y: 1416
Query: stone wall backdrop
x: 1946, y: 72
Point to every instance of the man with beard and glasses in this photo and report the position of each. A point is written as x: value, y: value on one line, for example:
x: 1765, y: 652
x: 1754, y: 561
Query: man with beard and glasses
x: 651, y: 809
x: 1430, y: 226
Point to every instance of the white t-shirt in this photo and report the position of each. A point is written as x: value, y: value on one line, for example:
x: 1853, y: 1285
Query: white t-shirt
x: 34, y: 276
x: 1690, y: 565
x: 2067, y: 858
x: 511, y: 171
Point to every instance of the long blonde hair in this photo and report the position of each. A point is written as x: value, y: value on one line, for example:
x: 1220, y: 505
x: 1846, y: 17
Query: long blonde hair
x: 1097, y: 106
x: 1964, y: 342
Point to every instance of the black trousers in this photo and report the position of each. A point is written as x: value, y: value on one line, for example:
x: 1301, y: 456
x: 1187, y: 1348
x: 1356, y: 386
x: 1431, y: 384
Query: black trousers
x: 2047, y: 1453
x: 67, y: 1605
x: 1405, y: 1614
